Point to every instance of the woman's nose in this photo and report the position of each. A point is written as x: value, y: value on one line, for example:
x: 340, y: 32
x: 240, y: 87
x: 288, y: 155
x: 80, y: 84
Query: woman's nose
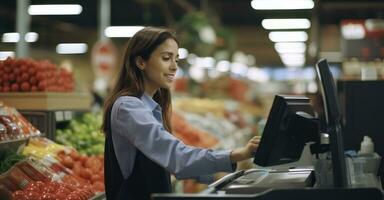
x: 174, y: 65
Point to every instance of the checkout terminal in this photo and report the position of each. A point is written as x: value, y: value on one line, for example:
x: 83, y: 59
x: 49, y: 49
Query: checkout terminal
x: 290, y: 126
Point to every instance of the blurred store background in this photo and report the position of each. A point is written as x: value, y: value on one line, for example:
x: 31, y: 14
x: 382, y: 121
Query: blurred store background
x: 58, y: 63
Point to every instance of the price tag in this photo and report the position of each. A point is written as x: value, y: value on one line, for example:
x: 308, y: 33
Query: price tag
x: 67, y: 115
x: 59, y: 116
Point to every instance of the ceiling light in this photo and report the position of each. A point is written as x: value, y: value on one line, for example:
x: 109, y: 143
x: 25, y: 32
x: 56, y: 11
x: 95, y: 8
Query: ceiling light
x: 11, y: 37
x: 31, y: 37
x: 15, y: 37
x: 281, y: 4
x: 353, y: 31
x: 374, y: 24
x: 294, y: 64
x: 292, y: 56
x: 293, y: 60
x: 272, y: 24
x: 288, y: 36
x: 122, y: 31
x: 5, y: 54
x: 55, y: 9
x: 290, y: 47
x: 71, y: 48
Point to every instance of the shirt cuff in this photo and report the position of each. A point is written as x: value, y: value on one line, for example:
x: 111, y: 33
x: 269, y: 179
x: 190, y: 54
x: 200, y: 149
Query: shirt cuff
x: 206, y: 179
x: 224, y: 163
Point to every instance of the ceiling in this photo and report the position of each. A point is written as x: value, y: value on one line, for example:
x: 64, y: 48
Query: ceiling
x: 237, y: 15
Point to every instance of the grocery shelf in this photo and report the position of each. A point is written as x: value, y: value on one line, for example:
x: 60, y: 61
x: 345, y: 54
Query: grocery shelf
x: 47, y: 100
x: 14, y: 143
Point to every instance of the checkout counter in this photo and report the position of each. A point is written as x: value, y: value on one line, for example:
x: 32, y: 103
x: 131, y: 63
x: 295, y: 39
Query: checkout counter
x: 290, y: 126
x: 262, y: 184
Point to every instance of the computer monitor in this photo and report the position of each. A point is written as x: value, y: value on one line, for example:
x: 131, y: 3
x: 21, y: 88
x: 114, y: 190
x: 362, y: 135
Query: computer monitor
x: 333, y: 122
x: 290, y: 125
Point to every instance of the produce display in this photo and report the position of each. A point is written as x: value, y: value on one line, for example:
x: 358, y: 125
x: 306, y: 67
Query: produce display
x: 89, y: 168
x: 216, y: 124
x: 14, y: 126
x: 28, y: 75
x: 229, y: 122
x: 8, y: 158
x: 67, y: 163
x: 83, y: 134
x: 191, y: 135
x: 30, y: 179
x: 51, y: 190
x: 44, y: 169
x: 40, y: 147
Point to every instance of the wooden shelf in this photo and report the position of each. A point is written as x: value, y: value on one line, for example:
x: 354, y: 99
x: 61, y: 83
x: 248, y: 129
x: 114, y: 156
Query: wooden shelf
x: 47, y: 100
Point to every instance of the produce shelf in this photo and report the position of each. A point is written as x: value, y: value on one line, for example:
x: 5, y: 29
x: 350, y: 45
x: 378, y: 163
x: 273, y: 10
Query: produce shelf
x: 47, y: 100
x: 14, y: 143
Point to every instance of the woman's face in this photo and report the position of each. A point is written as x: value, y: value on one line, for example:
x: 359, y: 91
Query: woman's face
x: 160, y: 69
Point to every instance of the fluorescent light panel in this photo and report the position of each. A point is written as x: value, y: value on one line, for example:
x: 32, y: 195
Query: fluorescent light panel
x: 281, y: 4
x: 55, y: 9
x: 71, y: 48
x: 122, y: 31
x: 290, y: 47
x: 5, y: 54
x: 288, y: 36
x: 15, y: 37
x: 353, y: 31
x: 273, y: 24
x: 293, y: 60
x: 292, y: 56
x: 294, y: 64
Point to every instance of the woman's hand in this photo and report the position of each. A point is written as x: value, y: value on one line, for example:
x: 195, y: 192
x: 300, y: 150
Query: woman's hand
x: 245, y: 152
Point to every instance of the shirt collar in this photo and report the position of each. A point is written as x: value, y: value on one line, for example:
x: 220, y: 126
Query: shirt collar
x: 152, y: 104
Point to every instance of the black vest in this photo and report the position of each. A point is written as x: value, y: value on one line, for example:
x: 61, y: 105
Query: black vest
x: 146, y: 178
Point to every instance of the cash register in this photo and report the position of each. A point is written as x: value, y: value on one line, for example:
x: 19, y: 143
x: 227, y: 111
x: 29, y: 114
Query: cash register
x: 290, y: 126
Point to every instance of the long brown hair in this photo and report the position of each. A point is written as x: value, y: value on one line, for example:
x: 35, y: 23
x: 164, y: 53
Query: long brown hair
x: 130, y: 80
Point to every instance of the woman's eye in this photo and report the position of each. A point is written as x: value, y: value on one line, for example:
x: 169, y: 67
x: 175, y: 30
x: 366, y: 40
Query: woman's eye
x: 166, y: 58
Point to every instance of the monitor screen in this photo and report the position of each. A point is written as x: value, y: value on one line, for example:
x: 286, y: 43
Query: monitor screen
x: 289, y: 127
x: 333, y: 117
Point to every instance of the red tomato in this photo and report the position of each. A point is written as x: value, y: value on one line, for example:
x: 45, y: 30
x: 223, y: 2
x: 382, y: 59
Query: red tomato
x: 98, y: 186
x: 24, y: 76
x: 25, y: 86
x: 19, y: 195
x: 14, y: 87
x: 33, y: 187
x: 48, y: 196
x: 68, y: 162
x: 32, y: 195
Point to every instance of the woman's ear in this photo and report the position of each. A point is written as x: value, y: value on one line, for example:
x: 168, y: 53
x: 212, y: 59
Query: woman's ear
x: 140, y: 63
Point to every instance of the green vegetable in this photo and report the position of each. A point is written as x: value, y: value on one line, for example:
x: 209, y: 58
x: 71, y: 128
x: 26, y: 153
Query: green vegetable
x: 8, y: 158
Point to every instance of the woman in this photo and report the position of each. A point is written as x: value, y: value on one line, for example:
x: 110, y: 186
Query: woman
x: 140, y: 151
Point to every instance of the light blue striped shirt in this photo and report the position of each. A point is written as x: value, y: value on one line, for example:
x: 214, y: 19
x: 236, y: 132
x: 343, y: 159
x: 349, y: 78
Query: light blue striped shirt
x: 137, y: 125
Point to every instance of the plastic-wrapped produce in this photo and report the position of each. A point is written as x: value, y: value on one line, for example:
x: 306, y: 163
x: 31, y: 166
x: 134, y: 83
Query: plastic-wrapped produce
x: 3, y: 133
x: 16, y: 126
x: 27, y: 127
x: 13, y: 131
